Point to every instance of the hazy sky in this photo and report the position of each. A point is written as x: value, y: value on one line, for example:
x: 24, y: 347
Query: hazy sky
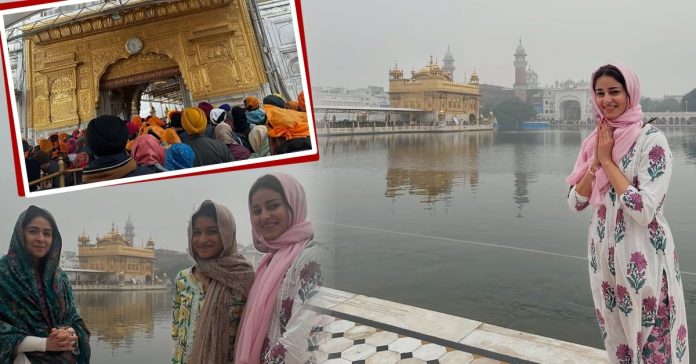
x: 354, y: 43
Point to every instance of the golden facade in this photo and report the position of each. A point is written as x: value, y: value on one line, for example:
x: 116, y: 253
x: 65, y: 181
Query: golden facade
x: 433, y: 90
x: 73, y: 66
x: 114, y: 253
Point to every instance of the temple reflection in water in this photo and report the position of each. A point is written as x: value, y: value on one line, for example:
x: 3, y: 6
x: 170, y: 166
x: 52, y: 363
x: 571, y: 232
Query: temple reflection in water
x: 119, y: 318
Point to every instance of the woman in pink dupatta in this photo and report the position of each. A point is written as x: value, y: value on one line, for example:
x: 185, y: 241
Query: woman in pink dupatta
x: 623, y: 171
x: 277, y: 326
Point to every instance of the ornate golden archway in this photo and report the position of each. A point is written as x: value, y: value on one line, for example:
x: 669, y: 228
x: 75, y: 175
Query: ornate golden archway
x: 211, y: 42
x: 123, y: 83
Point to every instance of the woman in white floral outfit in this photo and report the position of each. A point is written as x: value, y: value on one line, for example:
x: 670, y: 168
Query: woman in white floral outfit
x: 623, y: 171
x: 277, y: 327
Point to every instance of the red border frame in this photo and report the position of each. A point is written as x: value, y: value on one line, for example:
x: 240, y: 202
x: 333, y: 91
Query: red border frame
x: 301, y: 159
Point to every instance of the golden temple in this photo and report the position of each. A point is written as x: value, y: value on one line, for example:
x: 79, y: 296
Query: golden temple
x: 433, y: 89
x: 114, y: 253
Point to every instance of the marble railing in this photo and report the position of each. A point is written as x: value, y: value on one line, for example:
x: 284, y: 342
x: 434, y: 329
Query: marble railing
x: 475, y: 337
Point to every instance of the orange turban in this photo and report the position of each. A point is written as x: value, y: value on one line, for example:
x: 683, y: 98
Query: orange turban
x: 63, y: 147
x: 251, y: 103
x: 45, y: 145
x: 288, y: 124
x: 193, y: 120
x: 292, y: 105
x: 170, y: 136
x: 157, y: 121
x: 301, y: 101
x: 137, y: 120
x: 152, y: 129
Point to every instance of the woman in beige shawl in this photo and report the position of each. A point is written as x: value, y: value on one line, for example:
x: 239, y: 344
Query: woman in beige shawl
x: 209, y: 297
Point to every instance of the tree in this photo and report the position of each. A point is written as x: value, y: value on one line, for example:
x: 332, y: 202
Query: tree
x: 688, y: 101
x: 512, y: 110
x: 672, y: 105
x: 647, y: 104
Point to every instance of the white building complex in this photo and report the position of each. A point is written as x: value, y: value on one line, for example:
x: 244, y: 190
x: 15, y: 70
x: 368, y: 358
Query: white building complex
x: 566, y: 102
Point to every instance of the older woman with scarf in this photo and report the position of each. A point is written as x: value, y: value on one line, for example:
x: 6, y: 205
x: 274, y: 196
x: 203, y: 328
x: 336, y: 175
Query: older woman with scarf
x: 277, y: 326
x: 623, y: 172
x: 39, y: 322
x: 210, y: 296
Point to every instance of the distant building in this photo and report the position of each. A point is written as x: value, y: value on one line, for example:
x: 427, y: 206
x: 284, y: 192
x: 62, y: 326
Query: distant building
x: 114, y: 253
x: 276, y: 20
x: 434, y: 90
x: 492, y: 95
x: 562, y: 102
x: 372, y: 96
x: 69, y: 260
x: 520, y: 63
x: 567, y: 102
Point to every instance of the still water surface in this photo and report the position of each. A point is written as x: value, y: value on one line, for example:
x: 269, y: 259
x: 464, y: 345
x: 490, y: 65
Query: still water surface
x: 471, y: 224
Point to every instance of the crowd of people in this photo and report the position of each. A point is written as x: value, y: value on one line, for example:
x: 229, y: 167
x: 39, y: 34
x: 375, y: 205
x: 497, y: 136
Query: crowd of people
x: 223, y: 311
x: 111, y: 148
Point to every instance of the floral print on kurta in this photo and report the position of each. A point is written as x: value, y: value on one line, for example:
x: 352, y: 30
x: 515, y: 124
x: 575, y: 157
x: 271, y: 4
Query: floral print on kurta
x: 187, y: 304
x: 292, y: 337
x: 634, y: 272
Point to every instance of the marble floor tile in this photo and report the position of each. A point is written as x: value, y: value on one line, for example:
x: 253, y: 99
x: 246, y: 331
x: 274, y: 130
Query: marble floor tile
x: 336, y: 345
x: 384, y: 357
x: 381, y: 338
x: 339, y: 326
x: 410, y: 361
x: 456, y: 357
x: 359, y: 332
x: 429, y: 352
x: 405, y: 345
x: 358, y: 352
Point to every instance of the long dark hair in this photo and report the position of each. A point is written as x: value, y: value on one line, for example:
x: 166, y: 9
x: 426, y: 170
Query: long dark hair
x: 613, y: 72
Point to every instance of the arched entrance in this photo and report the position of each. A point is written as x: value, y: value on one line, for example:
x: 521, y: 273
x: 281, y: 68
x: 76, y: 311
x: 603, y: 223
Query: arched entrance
x: 129, y: 83
x: 570, y: 110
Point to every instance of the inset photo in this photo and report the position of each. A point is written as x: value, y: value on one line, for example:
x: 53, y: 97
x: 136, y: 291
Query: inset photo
x: 106, y: 92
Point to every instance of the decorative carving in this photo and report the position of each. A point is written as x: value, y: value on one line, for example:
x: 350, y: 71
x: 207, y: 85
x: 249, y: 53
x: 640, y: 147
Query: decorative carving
x: 62, y: 99
x: 40, y: 106
x: 140, y: 63
x: 86, y: 106
x: 69, y: 64
x: 132, y: 18
x: 218, y: 51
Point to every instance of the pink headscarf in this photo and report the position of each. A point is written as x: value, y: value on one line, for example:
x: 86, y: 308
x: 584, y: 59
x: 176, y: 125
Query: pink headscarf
x: 146, y: 150
x: 72, y: 146
x: 627, y: 128
x: 282, y: 252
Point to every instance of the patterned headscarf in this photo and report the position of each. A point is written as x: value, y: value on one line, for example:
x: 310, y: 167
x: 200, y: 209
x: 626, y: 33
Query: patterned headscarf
x: 282, y: 252
x: 33, y: 302
x: 229, y: 273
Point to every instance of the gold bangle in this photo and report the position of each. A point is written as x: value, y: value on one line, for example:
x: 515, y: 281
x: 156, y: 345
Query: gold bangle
x: 591, y: 171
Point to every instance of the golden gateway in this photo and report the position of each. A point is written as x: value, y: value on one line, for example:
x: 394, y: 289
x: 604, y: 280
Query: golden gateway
x: 101, y: 64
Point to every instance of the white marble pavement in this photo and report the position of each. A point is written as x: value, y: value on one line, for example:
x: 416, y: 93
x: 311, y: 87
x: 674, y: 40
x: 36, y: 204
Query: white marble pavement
x: 369, y: 330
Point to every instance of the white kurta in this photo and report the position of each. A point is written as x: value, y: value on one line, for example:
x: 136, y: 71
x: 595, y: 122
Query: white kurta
x: 293, y: 334
x: 634, y: 271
